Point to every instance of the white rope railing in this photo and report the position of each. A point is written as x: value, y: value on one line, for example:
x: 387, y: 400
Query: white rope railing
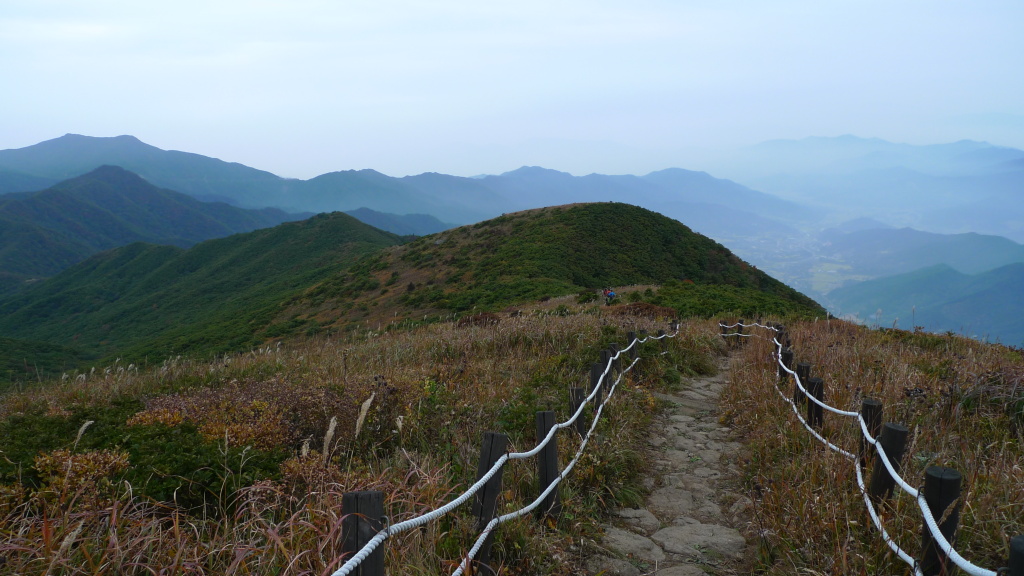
x: 938, y: 538
x: 860, y: 484
x: 752, y: 325
x: 422, y: 519
x: 495, y: 522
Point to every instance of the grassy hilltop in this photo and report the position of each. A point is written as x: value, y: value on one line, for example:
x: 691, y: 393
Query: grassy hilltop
x: 333, y: 273
x: 543, y: 253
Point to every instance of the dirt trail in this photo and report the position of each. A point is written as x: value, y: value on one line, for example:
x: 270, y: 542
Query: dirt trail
x: 688, y: 526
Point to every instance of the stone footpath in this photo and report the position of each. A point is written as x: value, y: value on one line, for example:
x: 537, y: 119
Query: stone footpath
x: 688, y: 527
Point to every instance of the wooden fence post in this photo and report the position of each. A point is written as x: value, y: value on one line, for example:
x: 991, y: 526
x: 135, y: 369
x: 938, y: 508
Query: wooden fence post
x: 613, y: 349
x: 787, y: 361
x: 941, y: 489
x: 803, y: 373
x: 634, y: 352
x: 362, y: 521
x: 739, y: 331
x: 783, y: 337
x: 547, y: 465
x: 596, y: 369
x: 815, y: 413
x: 1016, y: 562
x: 577, y: 396
x: 486, y: 500
x: 871, y: 411
x: 894, y: 441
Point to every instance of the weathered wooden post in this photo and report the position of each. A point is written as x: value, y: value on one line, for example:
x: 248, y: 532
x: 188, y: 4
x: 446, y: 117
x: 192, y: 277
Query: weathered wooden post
x: 894, y: 442
x: 634, y: 352
x: 815, y: 413
x: 547, y: 465
x: 1015, y: 566
x: 941, y: 489
x: 363, y: 512
x: 577, y: 396
x: 596, y: 370
x: 871, y: 412
x: 787, y: 361
x: 783, y: 337
x: 803, y: 374
x: 723, y: 331
x: 486, y: 500
x: 739, y: 331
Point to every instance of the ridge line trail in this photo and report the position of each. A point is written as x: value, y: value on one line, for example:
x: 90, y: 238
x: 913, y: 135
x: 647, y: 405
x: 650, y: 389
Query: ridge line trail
x: 692, y: 519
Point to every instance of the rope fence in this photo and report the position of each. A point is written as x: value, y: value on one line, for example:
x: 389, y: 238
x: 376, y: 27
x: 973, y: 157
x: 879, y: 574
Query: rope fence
x: 364, y: 526
x: 942, y: 486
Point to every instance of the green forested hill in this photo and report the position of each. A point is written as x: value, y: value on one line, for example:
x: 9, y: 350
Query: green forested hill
x: 42, y: 233
x: 332, y: 271
x: 142, y: 299
x: 541, y: 253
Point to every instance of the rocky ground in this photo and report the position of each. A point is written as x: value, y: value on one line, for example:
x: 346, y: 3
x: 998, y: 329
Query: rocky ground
x: 693, y: 518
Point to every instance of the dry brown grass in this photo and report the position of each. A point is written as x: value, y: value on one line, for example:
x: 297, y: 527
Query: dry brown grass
x: 962, y: 401
x: 435, y: 390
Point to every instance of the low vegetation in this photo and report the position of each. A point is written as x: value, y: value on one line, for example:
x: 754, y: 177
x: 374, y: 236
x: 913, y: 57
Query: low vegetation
x: 145, y: 302
x: 963, y: 402
x: 238, y: 466
x: 545, y: 253
x: 331, y: 274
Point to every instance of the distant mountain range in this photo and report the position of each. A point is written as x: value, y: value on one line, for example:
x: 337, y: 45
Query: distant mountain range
x: 692, y: 197
x: 986, y: 305
x: 884, y: 252
x: 403, y: 225
x: 960, y: 187
x: 42, y: 233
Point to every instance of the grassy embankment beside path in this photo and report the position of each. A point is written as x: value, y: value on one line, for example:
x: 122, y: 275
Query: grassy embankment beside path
x: 963, y: 402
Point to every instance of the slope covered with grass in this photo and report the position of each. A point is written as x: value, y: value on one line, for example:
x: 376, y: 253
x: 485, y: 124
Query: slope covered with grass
x: 963, y: 404
x: 253, y: 452
x: 539, y: 254
x: 144, y: 300
x: 330, y: 273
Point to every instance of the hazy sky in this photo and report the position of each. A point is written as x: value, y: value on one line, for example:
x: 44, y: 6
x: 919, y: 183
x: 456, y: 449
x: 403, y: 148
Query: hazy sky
x: 304, y: 87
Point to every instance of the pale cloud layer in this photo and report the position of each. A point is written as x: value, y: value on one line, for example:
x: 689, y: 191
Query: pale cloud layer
x: 305, y: 87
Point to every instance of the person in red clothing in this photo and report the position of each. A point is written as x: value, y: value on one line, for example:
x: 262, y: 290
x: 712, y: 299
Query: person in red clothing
x: 608, y: 296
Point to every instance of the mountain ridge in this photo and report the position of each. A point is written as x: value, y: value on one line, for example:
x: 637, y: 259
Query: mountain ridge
x: 332, y: 272
x: 448, y: 198
x: 44, y: 232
